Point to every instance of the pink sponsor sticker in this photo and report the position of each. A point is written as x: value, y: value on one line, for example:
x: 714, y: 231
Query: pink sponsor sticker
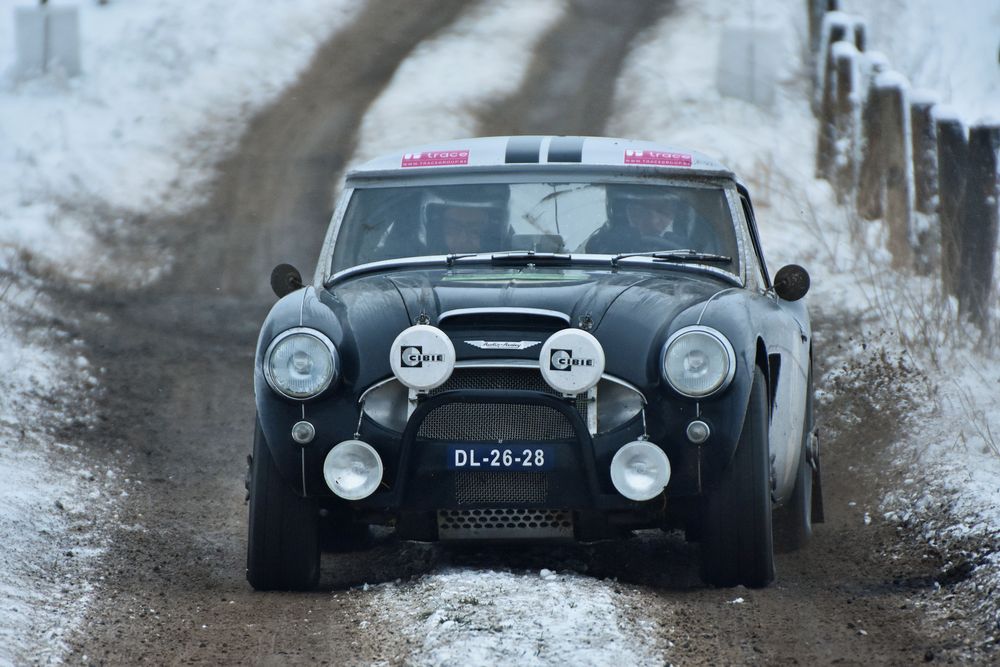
x: 436, y: 158
x: 657, y: 157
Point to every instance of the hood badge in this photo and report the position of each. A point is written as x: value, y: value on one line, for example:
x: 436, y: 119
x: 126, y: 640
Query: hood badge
x: 503, y: 344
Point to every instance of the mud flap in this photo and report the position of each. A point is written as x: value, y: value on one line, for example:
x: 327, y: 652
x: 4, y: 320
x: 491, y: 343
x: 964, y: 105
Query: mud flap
x: 817, y: 491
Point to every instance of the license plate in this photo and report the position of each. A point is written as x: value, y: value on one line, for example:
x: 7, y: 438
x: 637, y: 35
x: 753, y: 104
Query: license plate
x: 493, y: 457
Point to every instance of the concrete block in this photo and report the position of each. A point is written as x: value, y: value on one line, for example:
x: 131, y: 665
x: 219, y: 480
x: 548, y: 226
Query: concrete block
x: 749, y: 61
x: 48, y: 39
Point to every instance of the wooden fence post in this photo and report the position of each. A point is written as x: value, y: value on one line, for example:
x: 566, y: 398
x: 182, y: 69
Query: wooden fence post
x: 846, y: 143
x: 817, y: 9
x: 870, y: 191
x: 836, y: 26
x: 924, y: 150
x: 892, y: 96
x: 978, y: 230
x: 951, y: 151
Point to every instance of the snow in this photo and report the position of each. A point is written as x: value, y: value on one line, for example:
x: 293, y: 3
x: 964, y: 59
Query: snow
x: 953, y: 448
x: 473, y: 617
x: 481, y: 58
x: 165, y: 90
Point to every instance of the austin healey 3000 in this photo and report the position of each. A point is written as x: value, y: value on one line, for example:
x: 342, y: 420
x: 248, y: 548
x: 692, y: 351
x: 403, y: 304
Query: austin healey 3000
x: 536, y: 338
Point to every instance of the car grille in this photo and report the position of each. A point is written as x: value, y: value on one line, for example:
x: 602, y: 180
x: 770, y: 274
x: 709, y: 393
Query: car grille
x: 504, y: 524
x: 500, y: 487
x: 498, y: 421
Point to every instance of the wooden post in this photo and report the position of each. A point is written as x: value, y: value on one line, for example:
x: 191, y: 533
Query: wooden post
x: 923, y: 147
x: 979, y: 221
x: 817, y: 9
x: 924, y: 153
x: 860, y: 34
x: 892, y: 97
x: 845, y: 57
x: 951, y: 150
x: 835, y: 26
x: 870, y: 187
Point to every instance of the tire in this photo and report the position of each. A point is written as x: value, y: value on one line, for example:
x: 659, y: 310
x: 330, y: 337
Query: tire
x: 737, y: 547
x: 283, y: 534
x: 793, y: 522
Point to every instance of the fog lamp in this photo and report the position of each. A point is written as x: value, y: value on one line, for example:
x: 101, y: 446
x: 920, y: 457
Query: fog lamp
x: 640, y: 470
x: 303, y: 432
x: 353, y: 470
x: 698, y: 432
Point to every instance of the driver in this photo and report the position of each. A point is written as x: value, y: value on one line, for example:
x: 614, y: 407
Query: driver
x: 640, y: 218
x: 467, y: 219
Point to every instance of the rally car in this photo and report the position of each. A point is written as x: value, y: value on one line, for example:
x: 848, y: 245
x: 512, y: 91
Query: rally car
x: 535, y: 338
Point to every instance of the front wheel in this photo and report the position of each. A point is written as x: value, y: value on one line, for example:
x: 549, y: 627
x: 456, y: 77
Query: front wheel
x: 793, y: 523
x: 737, y: 545
x: 283, y: 536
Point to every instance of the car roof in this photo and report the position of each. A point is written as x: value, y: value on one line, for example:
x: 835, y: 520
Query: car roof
x: 497, y: 155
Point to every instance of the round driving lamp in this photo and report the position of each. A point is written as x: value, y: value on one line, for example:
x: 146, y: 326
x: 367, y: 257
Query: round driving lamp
x: 300, y: 363
x: 698, y: 362
x: 353, y: 469
x: 640, y: 470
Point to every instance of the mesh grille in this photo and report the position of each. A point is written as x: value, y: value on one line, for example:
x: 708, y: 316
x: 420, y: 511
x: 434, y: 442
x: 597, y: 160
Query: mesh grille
x: 496, y: 421
x: 504, y: 524
x: 500, y: 487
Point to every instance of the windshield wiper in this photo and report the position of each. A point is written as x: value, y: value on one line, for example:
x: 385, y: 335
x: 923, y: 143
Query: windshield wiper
x: 682, y: 255
x: 514, y: 257
x: 530, y: 257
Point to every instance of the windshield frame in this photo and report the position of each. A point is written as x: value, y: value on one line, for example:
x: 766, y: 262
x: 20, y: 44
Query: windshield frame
x: 579, y: 174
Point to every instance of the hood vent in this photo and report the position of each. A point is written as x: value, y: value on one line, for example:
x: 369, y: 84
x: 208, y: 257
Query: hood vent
x: 521, y: 319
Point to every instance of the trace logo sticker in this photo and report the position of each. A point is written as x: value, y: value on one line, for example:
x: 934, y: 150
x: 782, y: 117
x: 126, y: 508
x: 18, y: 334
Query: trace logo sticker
x: 562, y: 360
x: 412, y: 356
x: 436, y: 158
x: 661, y: 158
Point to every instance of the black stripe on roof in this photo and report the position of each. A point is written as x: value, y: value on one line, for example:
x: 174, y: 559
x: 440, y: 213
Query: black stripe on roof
x: 566, y: 149
x: 523, y: 149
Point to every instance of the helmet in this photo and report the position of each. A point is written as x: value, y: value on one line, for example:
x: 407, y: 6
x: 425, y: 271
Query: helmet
x: 473, y: 216
x: 664, y: 200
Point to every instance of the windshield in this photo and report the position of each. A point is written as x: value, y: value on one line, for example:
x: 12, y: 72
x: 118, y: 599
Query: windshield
x: 591, y: 218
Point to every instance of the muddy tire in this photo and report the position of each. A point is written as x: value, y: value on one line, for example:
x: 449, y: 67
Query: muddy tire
x: 793, y: 521
x: 283, y: 537
x: 737, y: 547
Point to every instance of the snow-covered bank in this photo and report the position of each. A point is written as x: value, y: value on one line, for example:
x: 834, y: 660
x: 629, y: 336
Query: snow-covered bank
x: 946, y: 47
x: 462, y: 617
x: 166, y: 88
x: 950, y: 459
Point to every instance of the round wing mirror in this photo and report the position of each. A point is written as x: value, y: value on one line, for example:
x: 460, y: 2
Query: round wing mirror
x: 791, y: 282
x: 285, y: 279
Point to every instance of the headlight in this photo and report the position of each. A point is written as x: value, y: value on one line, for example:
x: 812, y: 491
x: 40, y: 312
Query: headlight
x: 300, y: 363
x: 698, y: 361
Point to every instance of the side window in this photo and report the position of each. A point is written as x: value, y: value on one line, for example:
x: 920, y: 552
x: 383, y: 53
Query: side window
x: 758, y: 271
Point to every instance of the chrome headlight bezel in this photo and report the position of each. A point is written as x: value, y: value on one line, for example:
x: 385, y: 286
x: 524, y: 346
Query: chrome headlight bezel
x: 724, y: 376
x: 283, y: 337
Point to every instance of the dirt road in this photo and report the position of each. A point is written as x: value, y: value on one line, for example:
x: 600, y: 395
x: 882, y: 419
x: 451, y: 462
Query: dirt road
x: 178, y: 414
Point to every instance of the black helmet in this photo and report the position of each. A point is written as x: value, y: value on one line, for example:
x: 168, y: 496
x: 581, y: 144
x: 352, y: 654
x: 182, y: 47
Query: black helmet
x: 489, y: 201
x: 656, y: 197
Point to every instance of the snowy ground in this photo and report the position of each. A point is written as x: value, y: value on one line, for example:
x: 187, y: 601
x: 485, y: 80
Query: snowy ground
x: 950, y: 460
x: 167, y: 86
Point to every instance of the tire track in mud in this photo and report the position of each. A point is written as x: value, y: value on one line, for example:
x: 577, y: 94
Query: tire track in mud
x: 177, y: 408
x: 571, y: 84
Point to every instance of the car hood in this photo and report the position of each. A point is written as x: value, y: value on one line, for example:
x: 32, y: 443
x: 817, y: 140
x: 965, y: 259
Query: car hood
x: 625, y: 309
